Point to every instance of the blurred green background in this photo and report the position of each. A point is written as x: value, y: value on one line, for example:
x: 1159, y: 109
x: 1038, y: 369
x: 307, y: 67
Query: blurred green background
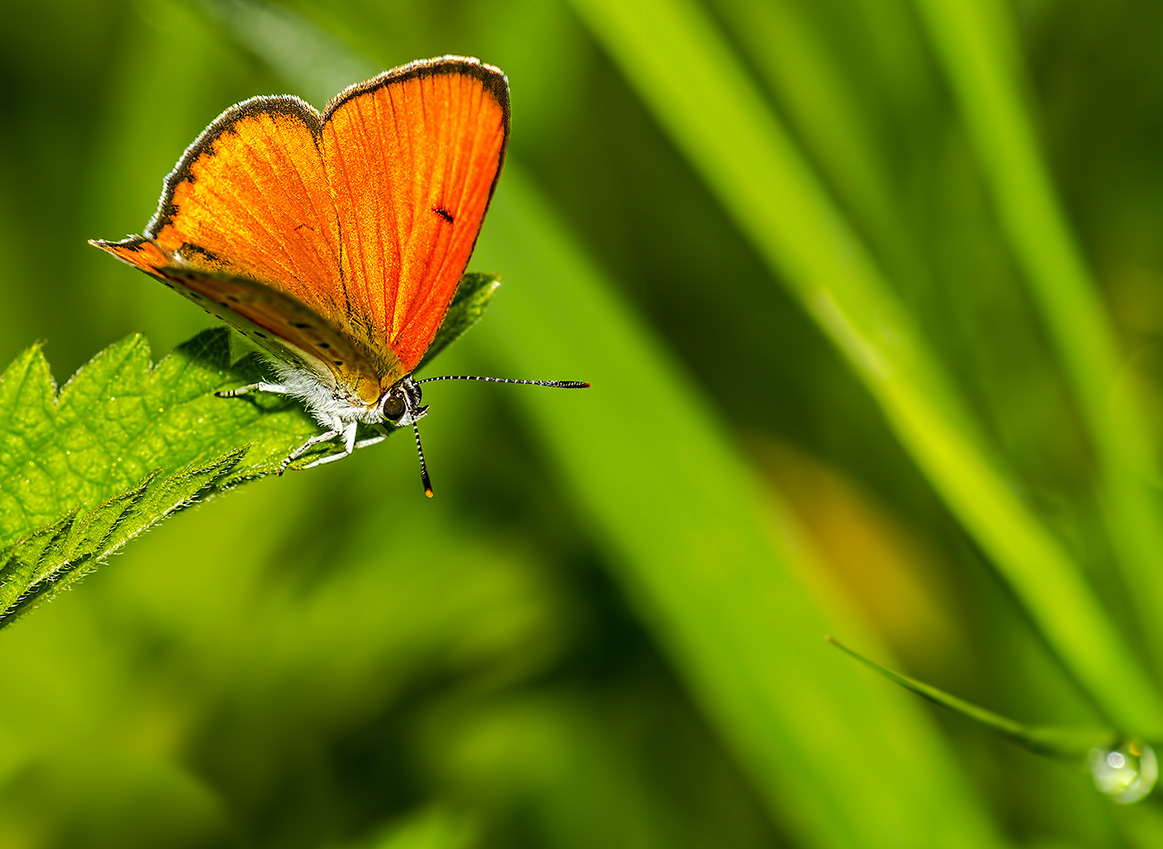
x: 870, y: 295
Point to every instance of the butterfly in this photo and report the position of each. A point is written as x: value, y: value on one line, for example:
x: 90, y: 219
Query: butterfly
x: 336, y: 240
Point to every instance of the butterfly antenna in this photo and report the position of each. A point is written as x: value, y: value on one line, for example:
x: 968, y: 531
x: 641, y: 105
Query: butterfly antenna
x: 559, y: 384
x: 423, y: 466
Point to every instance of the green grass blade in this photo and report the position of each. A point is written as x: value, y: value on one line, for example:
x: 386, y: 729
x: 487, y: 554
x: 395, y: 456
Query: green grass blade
x: 1072, y: 744
x: 798, y: 62
x: 711, y: 562
x: 704, y: 99
x: 975, y: 42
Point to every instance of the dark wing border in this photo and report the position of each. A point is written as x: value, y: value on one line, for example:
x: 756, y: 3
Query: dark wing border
x: 278, y: 104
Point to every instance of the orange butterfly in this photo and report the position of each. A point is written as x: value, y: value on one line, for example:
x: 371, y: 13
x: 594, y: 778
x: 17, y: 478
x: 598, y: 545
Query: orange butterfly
x: 336, y: 240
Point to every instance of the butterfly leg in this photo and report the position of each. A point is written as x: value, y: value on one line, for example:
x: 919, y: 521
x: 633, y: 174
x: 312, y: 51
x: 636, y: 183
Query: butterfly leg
x: 349, y: 445
x: 254, y: 387
x: 372, y: 440
x: 326, y: 436
x: 348, y: 433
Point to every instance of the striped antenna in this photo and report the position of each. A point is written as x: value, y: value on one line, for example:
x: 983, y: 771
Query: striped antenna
x: 423, y: 466
x: 558, y: 384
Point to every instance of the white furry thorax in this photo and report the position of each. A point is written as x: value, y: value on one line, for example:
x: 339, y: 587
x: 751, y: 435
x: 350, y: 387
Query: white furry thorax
x: 325, y: 402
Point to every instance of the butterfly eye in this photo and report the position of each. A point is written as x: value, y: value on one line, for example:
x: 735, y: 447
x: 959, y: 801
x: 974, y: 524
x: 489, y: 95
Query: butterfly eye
x: 394, y: 407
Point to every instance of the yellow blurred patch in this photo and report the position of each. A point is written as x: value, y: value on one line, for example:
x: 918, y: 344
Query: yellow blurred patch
x: 883, y: 569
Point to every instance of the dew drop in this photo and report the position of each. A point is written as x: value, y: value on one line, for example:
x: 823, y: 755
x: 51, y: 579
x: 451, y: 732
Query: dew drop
x: 1126, y: 772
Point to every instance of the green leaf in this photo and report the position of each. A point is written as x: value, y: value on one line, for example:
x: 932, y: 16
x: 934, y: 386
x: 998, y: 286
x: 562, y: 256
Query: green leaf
x: 47, y: 561
x: 121, y: 445
x: 124, y: 443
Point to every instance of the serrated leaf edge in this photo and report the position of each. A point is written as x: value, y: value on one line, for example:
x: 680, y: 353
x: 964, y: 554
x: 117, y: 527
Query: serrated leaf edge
x: 64, y: 574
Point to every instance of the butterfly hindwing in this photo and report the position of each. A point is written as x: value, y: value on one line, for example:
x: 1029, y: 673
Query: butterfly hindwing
x: 277, y: 322
x: 284, y: 326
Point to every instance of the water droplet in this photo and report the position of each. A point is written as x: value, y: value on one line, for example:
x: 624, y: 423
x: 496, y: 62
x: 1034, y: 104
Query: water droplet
x: 1126, y: 772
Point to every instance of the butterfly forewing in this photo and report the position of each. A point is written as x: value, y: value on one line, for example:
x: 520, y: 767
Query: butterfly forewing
x: 364, y: 215
x: 250, y: 198
x: 277, y: 322
x: 413, y: 156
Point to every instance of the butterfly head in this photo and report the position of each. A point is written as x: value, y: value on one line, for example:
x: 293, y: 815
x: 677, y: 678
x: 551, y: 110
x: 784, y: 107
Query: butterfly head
x: 401, y: 405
